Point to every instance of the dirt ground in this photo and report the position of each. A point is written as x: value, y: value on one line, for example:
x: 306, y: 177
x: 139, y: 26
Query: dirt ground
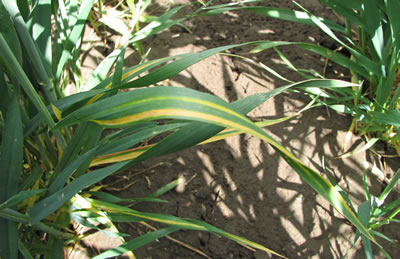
x: 240, y: 184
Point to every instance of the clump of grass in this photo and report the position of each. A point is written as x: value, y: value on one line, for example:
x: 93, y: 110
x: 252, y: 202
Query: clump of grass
x: 371, y: 36
x: 53, y: 151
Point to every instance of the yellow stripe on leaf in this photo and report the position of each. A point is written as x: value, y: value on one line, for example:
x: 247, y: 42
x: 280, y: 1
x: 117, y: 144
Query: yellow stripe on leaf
x: 120, y: 156
x: 124, y: 76
x: 56, y: 111
x: 159, y: 113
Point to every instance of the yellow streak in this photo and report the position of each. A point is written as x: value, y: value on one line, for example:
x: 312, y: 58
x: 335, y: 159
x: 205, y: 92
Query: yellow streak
x: 120, y: 156
x: 184, y: 99
x: 147, y: 115
x: 157, y: 113
x: 95, y: 98
x: 133, y: 213
x: 221, y: 121
x: 56, y: 111
x: 255, y: 245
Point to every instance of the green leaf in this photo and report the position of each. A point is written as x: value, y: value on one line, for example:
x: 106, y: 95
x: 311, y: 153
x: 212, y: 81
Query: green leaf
x: 114, y: 199
x: 177, y: 222
x: 56, y: 247
x: 328, y: 191
x: 11, y: 157
x: 327, y: 53
x: 364, y: 212
x: 367, y: 146
x: 120, y: 217
x: 72, y: 39
x: 41, y: 30
x: 9, y: 33
x: 364, y: 60
x: 391, y: 117
x: 140, y: 101
x: 387, y: 208
x: 112, y: 19
x: 116, y: 81
x: 69, y: 101
x: 279, y: 13
x: 337, y: 186
x: 98, y: 80
x: 367, y: 248
x: 23, y: 6
x: 165, y: 188
x: 137, y: 242
x: 51, y: 203
x: 390, y: 186
x: 197, y: 132
x: 87, y: 222
x: 179, y: 103
x: 100, y: 73
x: 4, y: 96
x: 64, y: 175
x: 128, y: 141
x: 162, y: 23
x: 28, y: 181
x: 392, y: 10
x: 21, y: 196
x: 24, y: 251
x: 84, y: 139
x: 32, y: 50
x: 73, y: 149
x: 347, y: 9
x: 177, y: 66
x: 366, y: 187
x: 18, y: 72
x: 118, y: 134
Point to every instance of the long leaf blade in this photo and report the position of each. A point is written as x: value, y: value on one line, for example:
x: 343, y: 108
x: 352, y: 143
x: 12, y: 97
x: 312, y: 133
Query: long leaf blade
x: 21, y: 196
x: 11, y: 155
x: 179, y: 103
x: 41, y: 30
x: 74, y: 36
x: 51, y: 203
x: 8, y: 30
x: 177, y: 222
x: 278, y: 13
x: 137, y: 242
x: 327, y: 53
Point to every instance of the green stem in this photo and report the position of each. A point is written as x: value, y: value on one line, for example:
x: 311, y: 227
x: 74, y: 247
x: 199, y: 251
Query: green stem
x: 394, y: 213
x: 9, y: 60
x: 380, y: 223
x: 139, y: 44
x: 363, y: 42
x: 348, y: 28
x: 32, y: 50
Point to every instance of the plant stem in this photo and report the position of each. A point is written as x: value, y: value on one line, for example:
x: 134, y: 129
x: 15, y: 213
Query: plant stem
x: 9, y: 60
x: 32, y: 50
x: 348, y: 28
x: 394, y: 213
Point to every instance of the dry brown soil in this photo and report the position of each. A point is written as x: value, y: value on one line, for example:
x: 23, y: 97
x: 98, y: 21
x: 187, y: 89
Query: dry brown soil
x: 240, y: 184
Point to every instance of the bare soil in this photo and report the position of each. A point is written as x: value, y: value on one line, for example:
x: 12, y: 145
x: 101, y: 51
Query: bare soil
x: 240, y: 184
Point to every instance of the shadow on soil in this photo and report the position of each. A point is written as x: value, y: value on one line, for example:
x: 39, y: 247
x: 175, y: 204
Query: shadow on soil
x: 240, y: 184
